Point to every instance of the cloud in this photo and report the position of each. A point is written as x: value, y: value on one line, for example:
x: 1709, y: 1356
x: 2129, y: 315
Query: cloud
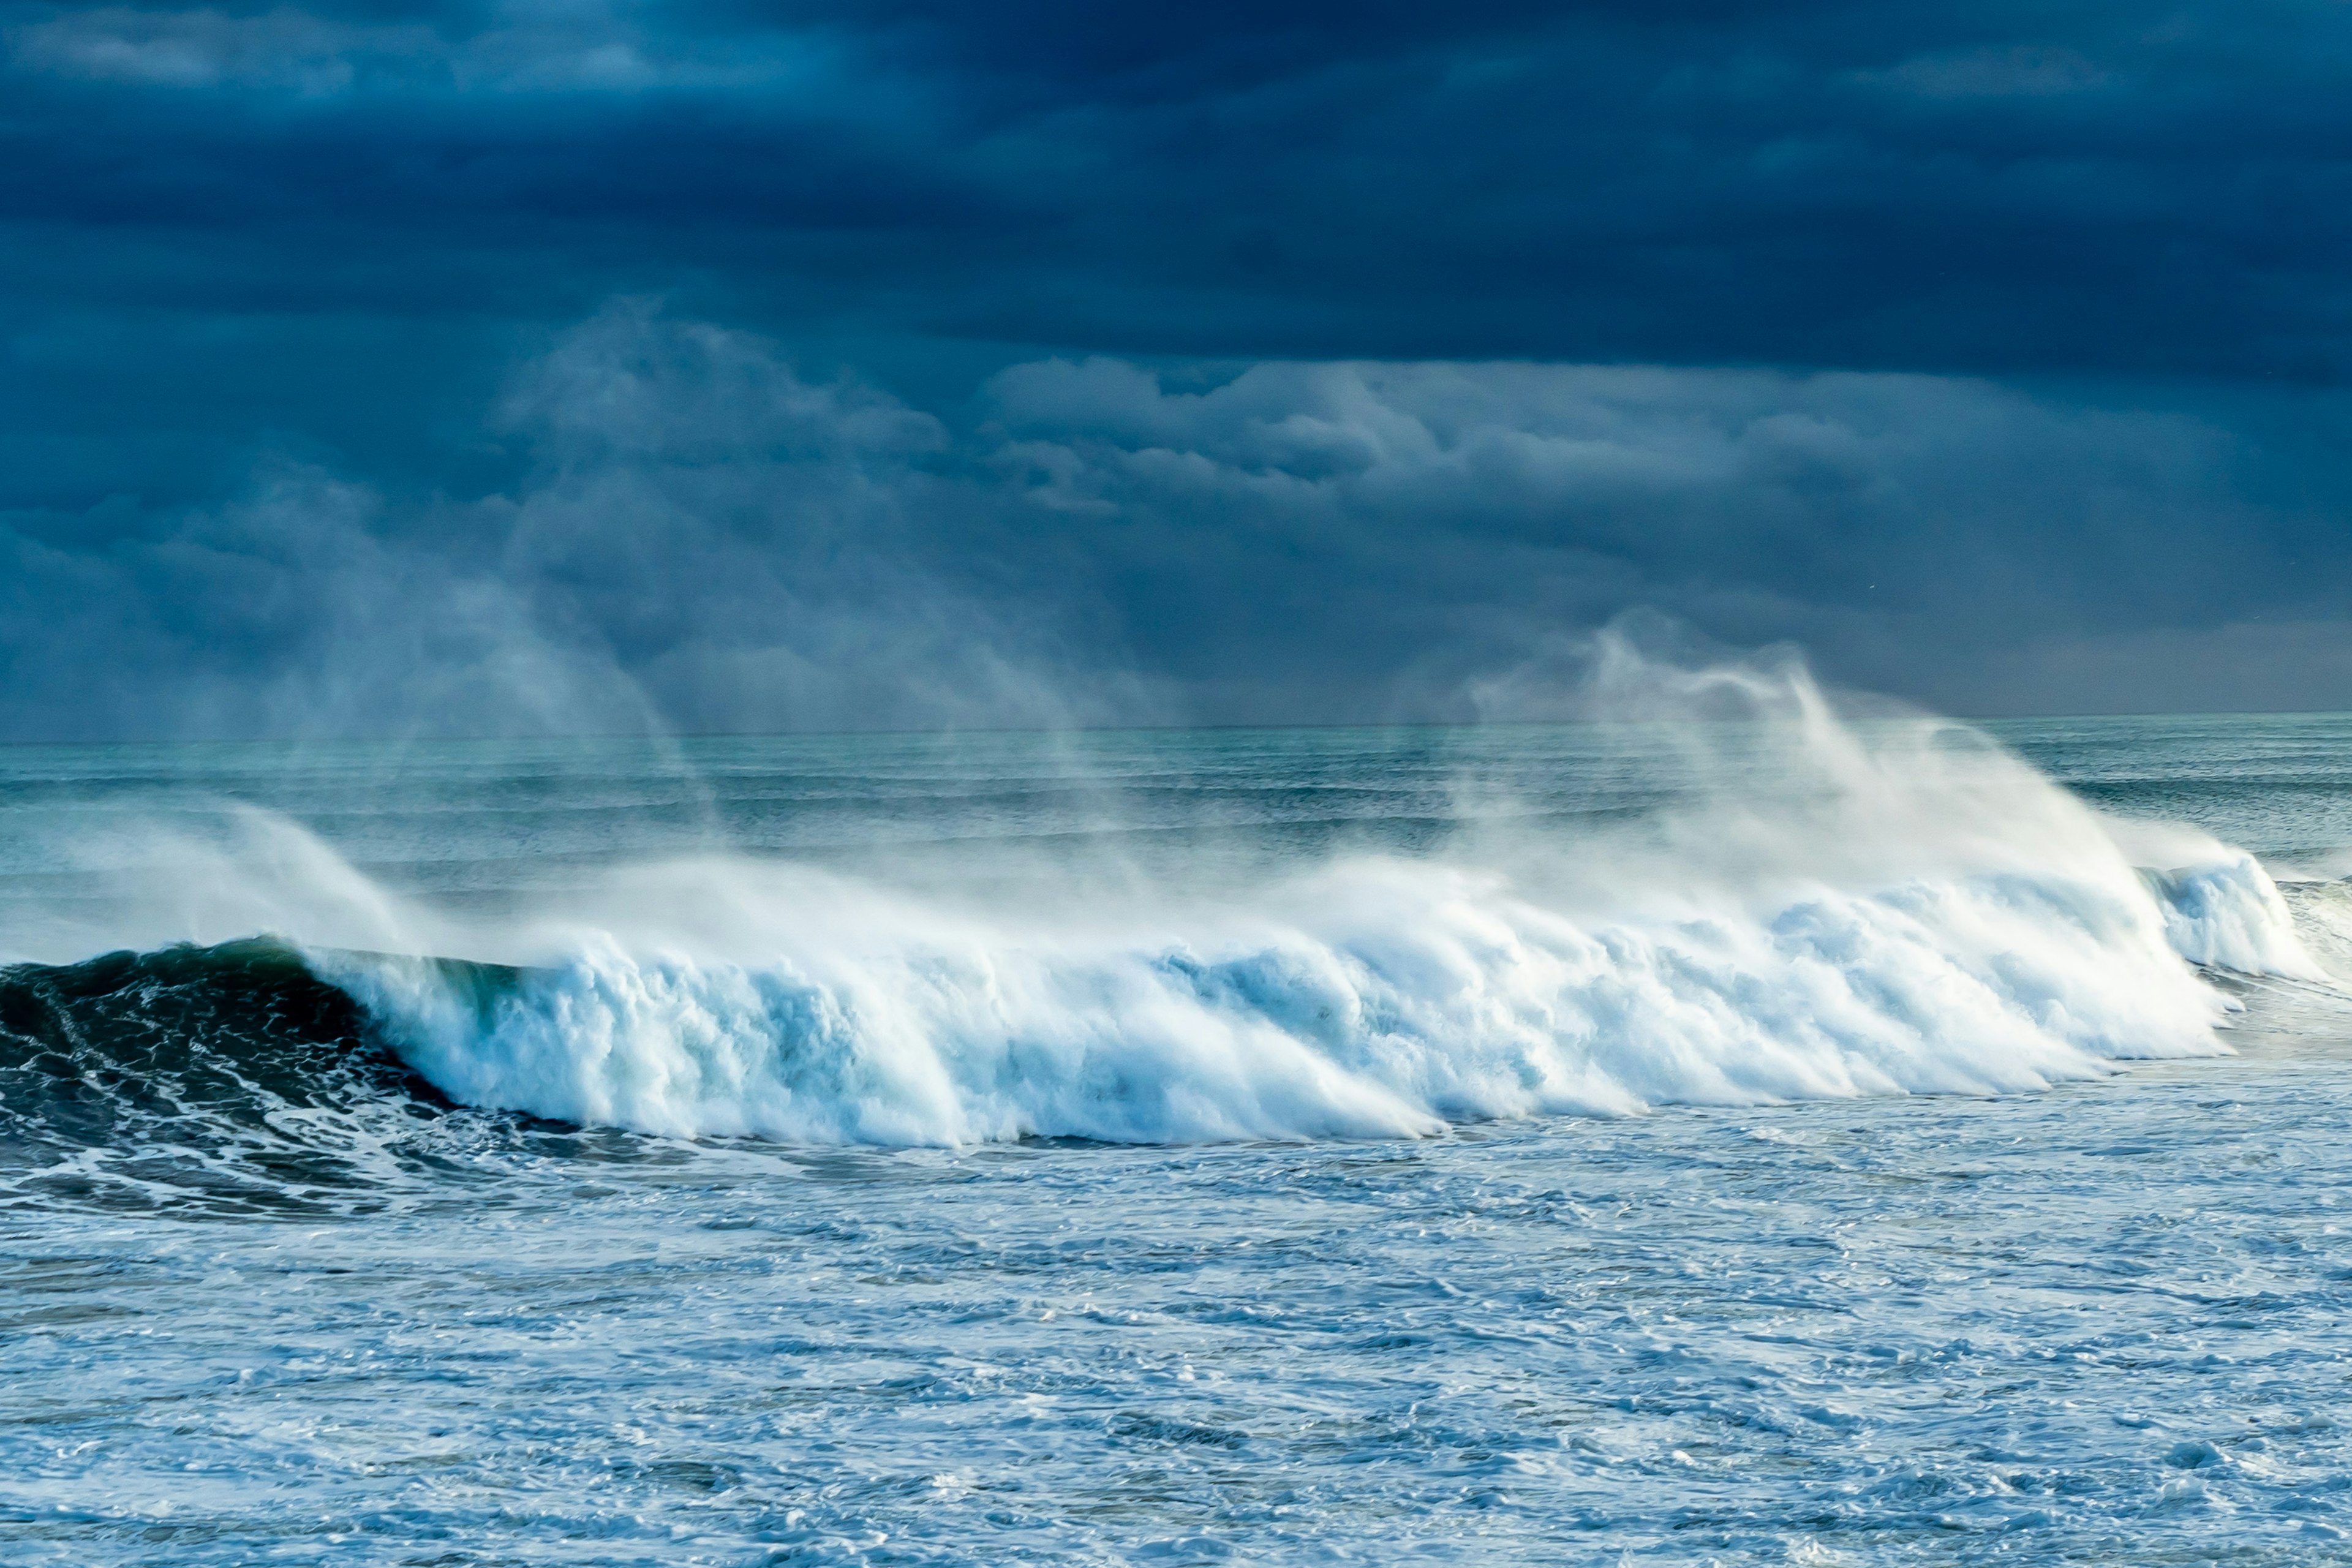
x: 1269, y: 361
x: 290, y: 612
x: 701, y: 539
x: 695, y: 532
x: 205, y: 48
x: 1908, y: 187
x: 584, y: 48
x: 2020, y: 71
x: 1431, y: 516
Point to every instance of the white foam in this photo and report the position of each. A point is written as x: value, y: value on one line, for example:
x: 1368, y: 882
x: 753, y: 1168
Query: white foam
x: 1833, y: 910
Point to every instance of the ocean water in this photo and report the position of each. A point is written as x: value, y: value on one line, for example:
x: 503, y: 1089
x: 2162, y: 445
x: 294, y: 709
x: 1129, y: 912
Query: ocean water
x: 1763, y: 1138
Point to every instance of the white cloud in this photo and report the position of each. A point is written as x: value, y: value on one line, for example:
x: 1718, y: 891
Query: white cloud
x: 592, y: 49
x: 284, y: 49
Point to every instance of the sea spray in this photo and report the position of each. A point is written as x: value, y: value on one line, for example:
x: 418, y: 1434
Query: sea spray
x: 1823, y: 908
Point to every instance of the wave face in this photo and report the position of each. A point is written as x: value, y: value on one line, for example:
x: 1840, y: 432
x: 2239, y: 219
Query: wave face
x: 1774, y: 905
x: 231, y: 1072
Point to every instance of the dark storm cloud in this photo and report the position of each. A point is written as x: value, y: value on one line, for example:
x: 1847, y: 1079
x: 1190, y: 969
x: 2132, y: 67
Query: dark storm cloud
x: 2093, y: 185
x: 702, y: 535
x: 1184, y: 316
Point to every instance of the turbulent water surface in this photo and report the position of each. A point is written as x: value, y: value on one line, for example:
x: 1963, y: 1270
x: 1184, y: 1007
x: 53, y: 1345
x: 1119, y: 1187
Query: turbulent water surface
x: 1744, y: 1140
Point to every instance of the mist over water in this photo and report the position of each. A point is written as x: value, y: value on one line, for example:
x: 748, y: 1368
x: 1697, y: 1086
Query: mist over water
x: 1737, y: 896
x: 1718, y: 1127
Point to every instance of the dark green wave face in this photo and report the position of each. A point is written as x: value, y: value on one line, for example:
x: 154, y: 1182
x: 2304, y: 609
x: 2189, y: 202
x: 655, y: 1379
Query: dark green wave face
x: 227, y: 1072
x: 223, y: 1077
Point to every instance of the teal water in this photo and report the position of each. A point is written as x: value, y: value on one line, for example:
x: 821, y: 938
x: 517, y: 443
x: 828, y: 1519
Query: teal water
x: 1534, y: 1144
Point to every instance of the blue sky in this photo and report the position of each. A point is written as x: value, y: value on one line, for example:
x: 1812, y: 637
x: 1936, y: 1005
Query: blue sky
x: 770, y: 366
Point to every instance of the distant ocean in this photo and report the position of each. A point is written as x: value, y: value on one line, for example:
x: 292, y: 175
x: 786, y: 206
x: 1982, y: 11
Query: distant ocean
x: 1780, y: 1138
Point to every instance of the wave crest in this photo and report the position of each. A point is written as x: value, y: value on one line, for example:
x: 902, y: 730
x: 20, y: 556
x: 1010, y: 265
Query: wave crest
x: 1776, y: 904
x: 1418, y: 995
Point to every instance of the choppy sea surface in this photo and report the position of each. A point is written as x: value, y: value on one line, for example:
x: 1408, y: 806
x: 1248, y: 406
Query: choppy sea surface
x: 1763, y: 1141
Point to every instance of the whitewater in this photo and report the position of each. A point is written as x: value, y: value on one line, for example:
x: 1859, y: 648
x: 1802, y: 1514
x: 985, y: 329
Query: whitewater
x: 1736, y: 1126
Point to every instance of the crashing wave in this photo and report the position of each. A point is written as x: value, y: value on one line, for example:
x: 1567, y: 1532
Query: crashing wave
x: 1427, y: 994
x: 1831, y: 910
x: 1823, y: 909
